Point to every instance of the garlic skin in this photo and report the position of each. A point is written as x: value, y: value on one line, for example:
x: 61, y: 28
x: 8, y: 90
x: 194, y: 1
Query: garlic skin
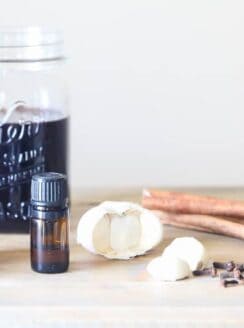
x: 119, y: 230
x: 188, y: 249
x: 168, y: 268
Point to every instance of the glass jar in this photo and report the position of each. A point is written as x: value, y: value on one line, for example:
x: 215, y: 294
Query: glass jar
x: 33, y: 117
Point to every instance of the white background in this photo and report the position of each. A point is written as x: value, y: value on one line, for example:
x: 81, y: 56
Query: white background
x: 157, y: 88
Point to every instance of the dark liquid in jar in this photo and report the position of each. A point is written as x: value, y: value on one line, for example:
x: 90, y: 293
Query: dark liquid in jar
x: 26, y: 149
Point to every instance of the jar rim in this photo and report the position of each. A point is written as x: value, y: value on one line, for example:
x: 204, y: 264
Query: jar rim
x: 30, y: 43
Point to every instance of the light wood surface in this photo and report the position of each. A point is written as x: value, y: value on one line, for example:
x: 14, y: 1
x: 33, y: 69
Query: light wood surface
x: 102, y: 293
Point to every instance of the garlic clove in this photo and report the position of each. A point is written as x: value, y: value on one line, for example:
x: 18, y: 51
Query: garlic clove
x: 87, y: 230
x: 188, y: 249
x: 119, y: 230
x: 101, y: 235
x: 151, y: 232
x: 168, y: 268
x: 125, y: 232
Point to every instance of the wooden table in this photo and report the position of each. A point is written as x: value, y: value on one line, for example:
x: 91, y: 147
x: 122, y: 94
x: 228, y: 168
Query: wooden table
x: 100, y: 293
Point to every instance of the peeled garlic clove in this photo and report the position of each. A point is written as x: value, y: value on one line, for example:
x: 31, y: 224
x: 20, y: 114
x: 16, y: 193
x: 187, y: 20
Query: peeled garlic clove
x: 91, y: 227
x: 168, y: 268
x: 188, y: 249
x: 119, y: 230
x: 130, y: 235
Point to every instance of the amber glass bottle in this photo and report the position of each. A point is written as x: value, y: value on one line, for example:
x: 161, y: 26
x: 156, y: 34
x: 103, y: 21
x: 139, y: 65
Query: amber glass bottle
x: 49, y: 220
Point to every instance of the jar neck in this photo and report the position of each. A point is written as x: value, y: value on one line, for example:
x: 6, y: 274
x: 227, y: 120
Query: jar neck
x: 41, y: 53
x: 30, y: 43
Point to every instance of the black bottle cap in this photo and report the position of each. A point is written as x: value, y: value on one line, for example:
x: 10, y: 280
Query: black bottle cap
x: 49, y: 189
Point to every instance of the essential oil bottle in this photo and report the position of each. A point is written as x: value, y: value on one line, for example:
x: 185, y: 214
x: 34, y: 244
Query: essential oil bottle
x: 49, y: 220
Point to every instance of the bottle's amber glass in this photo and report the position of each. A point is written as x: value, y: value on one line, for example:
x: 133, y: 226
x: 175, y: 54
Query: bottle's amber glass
x: 50, y: 245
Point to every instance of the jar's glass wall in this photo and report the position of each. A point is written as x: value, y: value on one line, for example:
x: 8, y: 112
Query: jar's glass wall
x: 34, y: 125
x: 39, y: 85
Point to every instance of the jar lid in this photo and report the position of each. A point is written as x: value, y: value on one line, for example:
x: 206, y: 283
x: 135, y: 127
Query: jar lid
x: 30, y: 44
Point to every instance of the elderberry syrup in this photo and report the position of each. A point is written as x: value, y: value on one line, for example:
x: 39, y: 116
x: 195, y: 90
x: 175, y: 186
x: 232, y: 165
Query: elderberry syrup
x: 27, y: 149
x: 33, y: 117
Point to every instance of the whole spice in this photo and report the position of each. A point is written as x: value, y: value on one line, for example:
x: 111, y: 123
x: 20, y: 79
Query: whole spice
x: 177, y: 202
x: 231, y: 276
x: 227, y: 282
x: 240, y: 267
x: 237, y: 274
x: 212, y: 271
x: 226, y: 275
x: 203, y: 223
x: 168, y: 218
x: 228, y: 266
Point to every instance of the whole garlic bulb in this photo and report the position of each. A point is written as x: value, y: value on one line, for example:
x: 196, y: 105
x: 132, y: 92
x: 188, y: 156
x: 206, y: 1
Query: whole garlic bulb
x: 119, y: 230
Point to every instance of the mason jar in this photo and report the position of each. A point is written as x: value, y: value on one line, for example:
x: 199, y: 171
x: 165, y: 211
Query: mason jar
x: 34, y: 119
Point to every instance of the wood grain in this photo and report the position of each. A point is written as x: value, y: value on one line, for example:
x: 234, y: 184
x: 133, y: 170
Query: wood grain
x: 102, y: 293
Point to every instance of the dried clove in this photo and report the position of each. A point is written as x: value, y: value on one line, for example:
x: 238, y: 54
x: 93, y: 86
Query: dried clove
x: 212, y: 271
x: 227, y: 282
x: 233, y: 273
x: 237, y: 273
x: 231, y: 278
x: 240, y: 267
x: 226, y: 275
x: 228, y: 266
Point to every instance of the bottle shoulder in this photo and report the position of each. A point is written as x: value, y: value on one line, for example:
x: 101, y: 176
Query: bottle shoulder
x: 48, y: 213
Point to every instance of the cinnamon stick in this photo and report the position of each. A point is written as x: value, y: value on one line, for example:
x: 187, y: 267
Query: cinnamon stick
x: 184, y: 203
x: 204, y: 223
x: 165, y: 218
